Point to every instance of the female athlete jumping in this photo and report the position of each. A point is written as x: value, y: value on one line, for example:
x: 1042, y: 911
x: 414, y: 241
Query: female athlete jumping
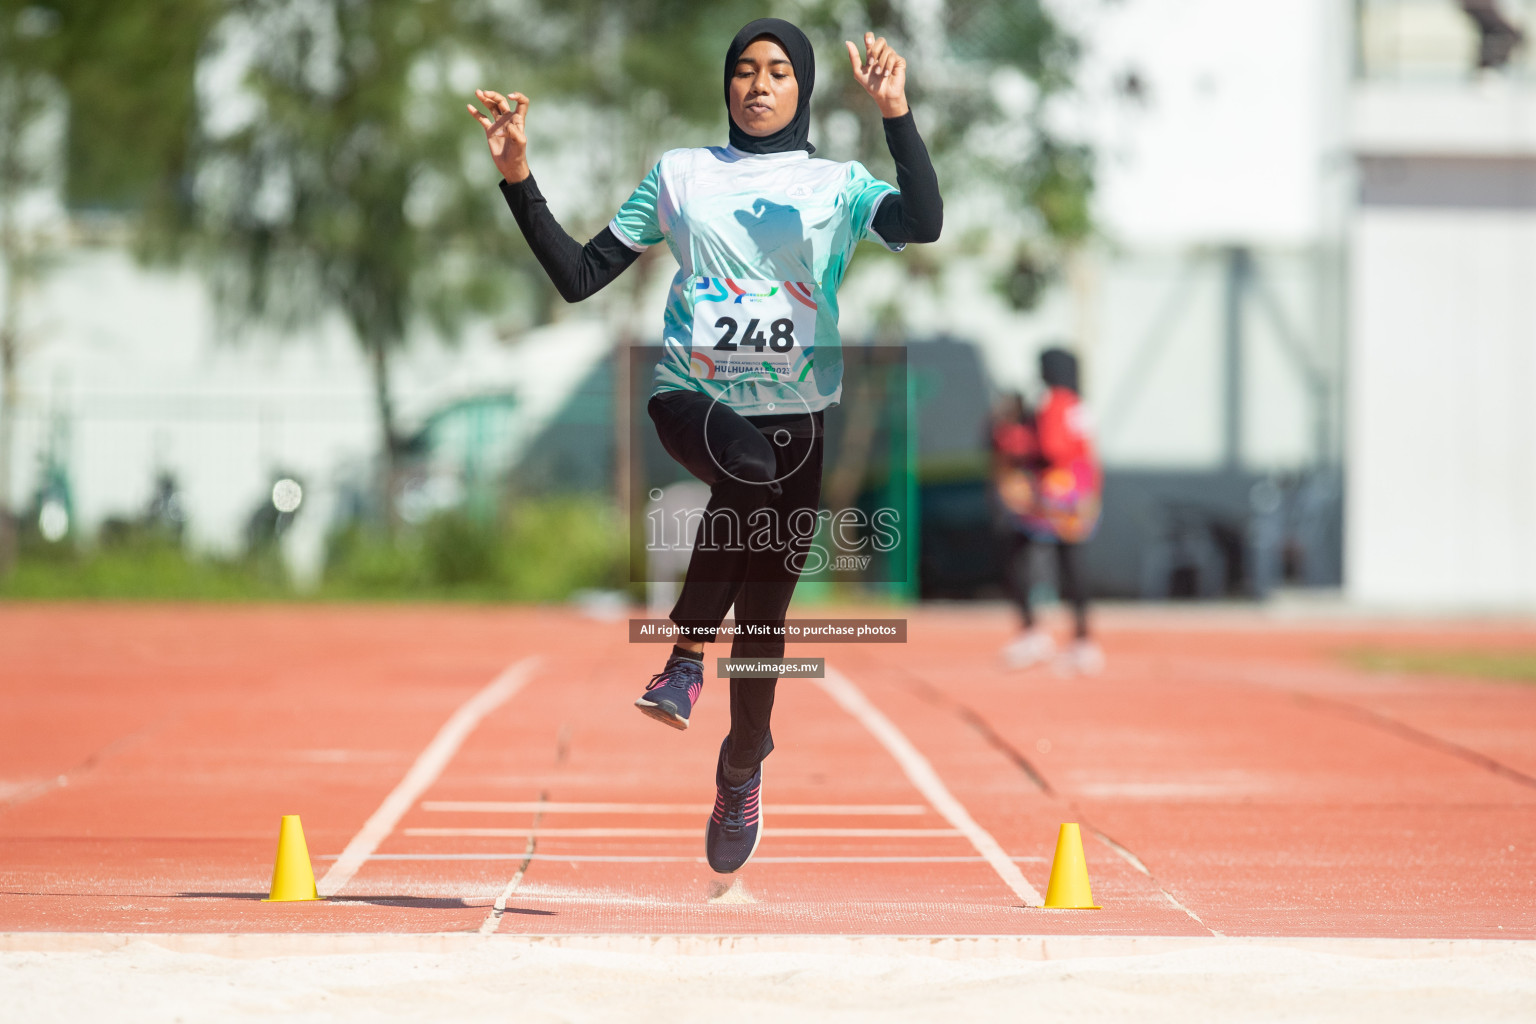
x: 751, y: 358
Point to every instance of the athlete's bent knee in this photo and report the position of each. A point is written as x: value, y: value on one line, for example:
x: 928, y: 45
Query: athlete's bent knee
x: 750, y: 463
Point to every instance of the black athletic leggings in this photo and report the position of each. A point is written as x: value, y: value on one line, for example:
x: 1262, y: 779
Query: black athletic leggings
x: 1069, y: 578
x: 764, y: 477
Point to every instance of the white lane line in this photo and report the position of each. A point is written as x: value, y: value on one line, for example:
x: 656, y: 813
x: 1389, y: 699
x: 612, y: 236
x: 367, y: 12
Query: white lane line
x: 675, y: 833
x: 645, y: 858
x: 1135, y: 862
x: 429, y: 765
x: 499, y: 906
x: 921, y: 774
x: 534, y: 807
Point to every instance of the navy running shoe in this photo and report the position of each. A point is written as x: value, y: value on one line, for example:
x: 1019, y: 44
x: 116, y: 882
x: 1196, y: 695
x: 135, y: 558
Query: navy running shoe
x: 736, y: 825
x: 670, y: 694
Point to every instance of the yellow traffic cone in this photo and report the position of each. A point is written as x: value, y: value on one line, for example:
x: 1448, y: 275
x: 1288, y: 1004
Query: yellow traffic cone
x: 1068, y: 889
x: 292, y: 877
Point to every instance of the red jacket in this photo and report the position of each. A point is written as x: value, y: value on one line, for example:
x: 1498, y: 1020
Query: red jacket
x: 1066, y: 437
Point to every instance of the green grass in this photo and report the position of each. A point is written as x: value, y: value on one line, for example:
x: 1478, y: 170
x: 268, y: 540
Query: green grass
x: 536, y: 551
x: 1509, y: 666
x: 539, y: 551
x: 148, y: 570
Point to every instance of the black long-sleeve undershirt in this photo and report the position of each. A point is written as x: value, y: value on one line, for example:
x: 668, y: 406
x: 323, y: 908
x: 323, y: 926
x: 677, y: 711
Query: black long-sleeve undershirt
x: 914, y: 214
x: 577, y: 271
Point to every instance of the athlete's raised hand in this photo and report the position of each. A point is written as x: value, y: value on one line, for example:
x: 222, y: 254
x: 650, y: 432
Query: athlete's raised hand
x: 883, y: 74
x: 506, y: 131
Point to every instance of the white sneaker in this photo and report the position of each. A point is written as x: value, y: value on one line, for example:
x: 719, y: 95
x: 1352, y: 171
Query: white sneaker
x: 1083, y: 658
x: 1031, y: 647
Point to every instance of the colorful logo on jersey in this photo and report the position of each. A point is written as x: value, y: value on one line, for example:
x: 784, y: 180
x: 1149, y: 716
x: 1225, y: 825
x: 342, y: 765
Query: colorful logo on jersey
x: 801, y: 293
x: 724, y: 289
x: 744, y: 296
x: 804, y: 365
x: 700, y: 365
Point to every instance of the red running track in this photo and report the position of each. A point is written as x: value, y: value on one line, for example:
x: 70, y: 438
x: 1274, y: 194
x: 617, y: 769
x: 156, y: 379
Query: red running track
x: 1232, y: 776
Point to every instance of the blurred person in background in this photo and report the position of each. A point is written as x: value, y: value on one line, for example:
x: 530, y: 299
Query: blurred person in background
x: 762, y: 235
x: 1048, y: 484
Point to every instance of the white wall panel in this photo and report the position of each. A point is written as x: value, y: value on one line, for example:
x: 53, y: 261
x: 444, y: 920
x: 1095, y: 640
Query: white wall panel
x: 1441, y: 507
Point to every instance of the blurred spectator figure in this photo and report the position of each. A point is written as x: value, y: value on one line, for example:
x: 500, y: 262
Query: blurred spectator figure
x: 166, y: 515
x: 1047, y: 482
x: 1497, y: 35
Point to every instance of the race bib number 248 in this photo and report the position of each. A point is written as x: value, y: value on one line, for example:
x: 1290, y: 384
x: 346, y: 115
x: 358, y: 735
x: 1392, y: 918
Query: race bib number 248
x: 762, y: 328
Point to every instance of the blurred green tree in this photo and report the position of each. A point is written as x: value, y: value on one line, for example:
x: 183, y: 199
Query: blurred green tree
x: 129, y: 73
x: 986, y: 79
x: 26, y: 102
x: 335, y: 177
x: 118, y: 79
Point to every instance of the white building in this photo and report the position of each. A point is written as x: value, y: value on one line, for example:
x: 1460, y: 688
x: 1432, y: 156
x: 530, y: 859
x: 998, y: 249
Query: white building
x: 1442, y: 269
x: 1387, y: 188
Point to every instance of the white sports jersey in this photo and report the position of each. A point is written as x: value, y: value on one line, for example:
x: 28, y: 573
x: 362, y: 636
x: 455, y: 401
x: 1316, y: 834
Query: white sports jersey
x: 762, y: 242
